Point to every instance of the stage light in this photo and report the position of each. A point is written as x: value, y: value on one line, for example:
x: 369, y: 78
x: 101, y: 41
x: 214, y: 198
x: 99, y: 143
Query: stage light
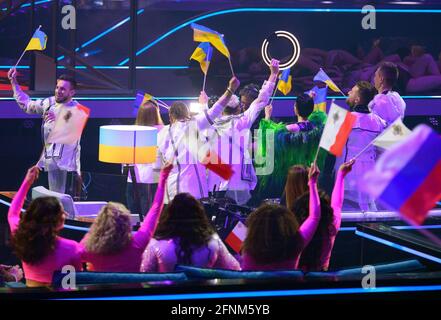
x: 295, y: 53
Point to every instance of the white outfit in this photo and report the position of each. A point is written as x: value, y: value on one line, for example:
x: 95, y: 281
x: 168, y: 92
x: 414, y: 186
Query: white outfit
x: 388, y: 106
x: 231, y: 139
x: 160, y: 256
x: 149, y: 172
x: 181, y: 143
x: 57, y: 159
x: 366, y: 128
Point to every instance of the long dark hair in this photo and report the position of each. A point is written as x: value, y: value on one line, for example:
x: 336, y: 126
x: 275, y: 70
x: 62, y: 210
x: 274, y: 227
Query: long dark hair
x: 271, y: 235
x: 310, y: 258
x: 36, y: 235
x: 185, y: 219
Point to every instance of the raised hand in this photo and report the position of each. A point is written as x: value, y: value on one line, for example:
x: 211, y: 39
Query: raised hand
x: 347, y: 166
x: 313, y: 173
x: 32, y: 175
x: 274, y: 67
x: 12, y: 75
x: 268, y: 111
x: 203, y: 98
x: 233, y: 84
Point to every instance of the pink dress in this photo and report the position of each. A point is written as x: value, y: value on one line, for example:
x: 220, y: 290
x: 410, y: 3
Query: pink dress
x: 129, y: 259
x: 160, y: 256
x: 305, y: 234
x: 66, y: 252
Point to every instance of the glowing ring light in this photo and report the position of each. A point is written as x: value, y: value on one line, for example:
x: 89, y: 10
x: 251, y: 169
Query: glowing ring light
x: 296, y: 50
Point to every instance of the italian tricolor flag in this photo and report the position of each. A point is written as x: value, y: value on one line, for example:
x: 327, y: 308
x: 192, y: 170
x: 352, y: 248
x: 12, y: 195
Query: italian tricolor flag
x: 337, y: 129
x: 237, y: 236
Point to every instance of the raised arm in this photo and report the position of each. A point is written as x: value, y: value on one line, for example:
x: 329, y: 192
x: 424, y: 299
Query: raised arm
x: 205, y: 119
x: 24, y: 102
x: 339, y: 191
x: 262, y: 100
x: 19, y: 198
x: 148, y: 226
x: 308, y: 228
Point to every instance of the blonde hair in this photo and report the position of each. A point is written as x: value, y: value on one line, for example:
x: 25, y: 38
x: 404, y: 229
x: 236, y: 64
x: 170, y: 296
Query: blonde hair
x: 111, y: 230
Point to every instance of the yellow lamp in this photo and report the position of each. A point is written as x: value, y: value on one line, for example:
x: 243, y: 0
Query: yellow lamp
x: 127, y: 144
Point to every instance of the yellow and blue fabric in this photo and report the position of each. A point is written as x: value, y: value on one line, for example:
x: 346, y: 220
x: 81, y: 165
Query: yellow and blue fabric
x: 141, y: 98
x: 127, y: 144
x: 284, y: 84
x: 323, y: 77
x: 319, y: 98
x: 203, y: 54
x: 204, y: 34
x: 38, y: 41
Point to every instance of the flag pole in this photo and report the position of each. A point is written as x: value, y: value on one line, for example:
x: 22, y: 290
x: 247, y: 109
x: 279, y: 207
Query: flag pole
x: 316, y: 154
x: 364, y: 149
x: 275, y: 90
x: 205, y: 79
x: 231, y: 67
x: 24, y: 51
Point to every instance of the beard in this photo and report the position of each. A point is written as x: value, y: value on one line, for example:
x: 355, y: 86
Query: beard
x: 350, y: 103
x: 61, y: 99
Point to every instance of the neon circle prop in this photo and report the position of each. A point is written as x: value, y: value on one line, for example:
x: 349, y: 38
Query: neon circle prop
x: 295, y: 54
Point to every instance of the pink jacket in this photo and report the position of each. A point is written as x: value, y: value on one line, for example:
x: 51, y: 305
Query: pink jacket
x: 129, y: 260
x: 66, y: 252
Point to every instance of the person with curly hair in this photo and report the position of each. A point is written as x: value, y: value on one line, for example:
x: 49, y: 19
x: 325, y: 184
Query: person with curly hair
x: 35, y: 235
x: 274, y: 239
x: 110, y: 245
x: 185, y: 236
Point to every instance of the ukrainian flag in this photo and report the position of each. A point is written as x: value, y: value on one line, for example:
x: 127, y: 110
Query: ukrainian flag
x: 38, y: 41
x: 284, y: 84
x: 323, y: 77
x: 204, y: 34
x: 319, y: 98
x: 142, y: 98
x: 203, y: 54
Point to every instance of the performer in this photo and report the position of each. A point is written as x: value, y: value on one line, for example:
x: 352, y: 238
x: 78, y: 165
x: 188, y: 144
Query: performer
x: 233, y: 131
x: 57, y: 159
x: 366, y: 128
x: 147, y: 175
x: 178, y: 143
x: 296, y: 146
x: 387, y: 104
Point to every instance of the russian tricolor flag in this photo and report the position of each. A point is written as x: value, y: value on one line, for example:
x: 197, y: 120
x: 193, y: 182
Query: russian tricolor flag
x: 337, y: 129
x: 407, y: 177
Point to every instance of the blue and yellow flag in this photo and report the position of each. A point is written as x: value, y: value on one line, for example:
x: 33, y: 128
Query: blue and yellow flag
x: 203, y: 54
x: 38, y: 41
x: 204, y: 34
x: 141, y: 98
x: 323, y: 77
x: 319, y: 98
x: 284, y: 84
